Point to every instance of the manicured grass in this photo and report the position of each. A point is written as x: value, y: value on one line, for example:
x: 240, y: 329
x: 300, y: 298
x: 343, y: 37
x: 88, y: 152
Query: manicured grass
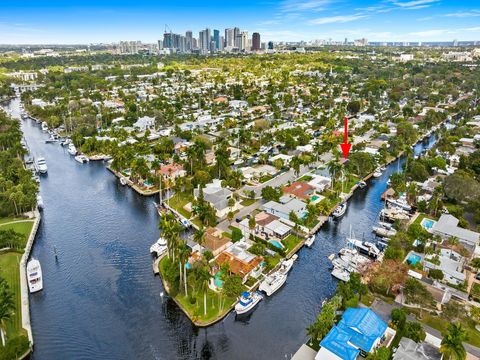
x: 178, y: 201
x: 248, y: 202
x: 10, y: 219
x: 9, y: 270
x: 441, y: 325
x: 196, y: 310
x: 290, y: 242
x: 22, y: 227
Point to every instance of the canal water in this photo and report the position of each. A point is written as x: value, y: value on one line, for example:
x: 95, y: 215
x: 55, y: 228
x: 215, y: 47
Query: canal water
x: 101, y: 300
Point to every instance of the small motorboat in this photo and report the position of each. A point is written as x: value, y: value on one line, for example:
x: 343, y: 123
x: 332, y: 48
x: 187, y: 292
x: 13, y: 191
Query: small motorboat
x: 381, y: 231
x: 377, y: 173
x: 309, y: 242
x: 362, y: 184
x: 44, y: 126
x: 272, y: 283
x: 82, y: 159
x: 123, y: 181
x: 286, y: 265
x: 247, y: 302
x: 42, y: 165
x: 39, y: 202
x: 340, y: 210
x: 341, y: 274
x: 159, y: 247
x: 72, y: 150
x: 34, y: 275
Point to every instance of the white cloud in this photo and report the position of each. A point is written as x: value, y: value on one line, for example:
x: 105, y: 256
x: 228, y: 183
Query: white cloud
x: 303, y: 5
x: 430, y: 33
x: 336, y: 19
x: 414, y: 4
x: 462, y: 14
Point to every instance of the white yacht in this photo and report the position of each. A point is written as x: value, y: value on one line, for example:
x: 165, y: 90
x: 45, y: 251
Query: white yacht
x: 309, y: 242
x: 272, y: 283
x: 44, y: 126
x: 247, y: 302
x: 82, y: 159
x: 394, y: 214
x: 42, y: 165
x: 340, y: 210
x: 286, y: 265
x: 39, y: 202
x: 72, y: 150
x: 123, y: 181
x: 159, y: 247
x: 362, y: 184
x: 341, y: 274
x: 365, y: 247
x: 377, y: 173
x: 400, y: 203
x: 383, y: 232
x: 34, y: 275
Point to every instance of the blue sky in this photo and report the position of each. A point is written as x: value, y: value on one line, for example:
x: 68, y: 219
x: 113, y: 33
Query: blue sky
x: 54, y: 21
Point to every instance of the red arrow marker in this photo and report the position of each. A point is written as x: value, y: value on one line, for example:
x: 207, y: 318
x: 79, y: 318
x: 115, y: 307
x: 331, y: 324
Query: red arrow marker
x: 345, y: 146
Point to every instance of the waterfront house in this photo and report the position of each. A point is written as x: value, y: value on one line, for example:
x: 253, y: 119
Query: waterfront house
x: 241, y: 262
x: 450, y: 263
x: 300, y: 190
x: 215, y: 241
x: 447, y: 227
x: 410, y: 350
x: 360, y: 331
x: 285, y: 207
x: 172, y: 171
x: 217, y: 196
x: 320, y: 182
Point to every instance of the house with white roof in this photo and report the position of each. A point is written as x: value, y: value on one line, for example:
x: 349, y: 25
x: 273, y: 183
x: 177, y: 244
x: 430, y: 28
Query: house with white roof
x: 447, y: 227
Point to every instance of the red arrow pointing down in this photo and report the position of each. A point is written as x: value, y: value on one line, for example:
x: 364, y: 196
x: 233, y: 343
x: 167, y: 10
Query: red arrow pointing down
x: 345, y: 146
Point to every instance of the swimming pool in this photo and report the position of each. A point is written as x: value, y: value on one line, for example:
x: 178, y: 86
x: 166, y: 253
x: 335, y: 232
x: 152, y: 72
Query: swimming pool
x: 315, y: 198
x: 427, y: 224
x: 217, y: 281
x: 276, y: 244
x: 413, y: 259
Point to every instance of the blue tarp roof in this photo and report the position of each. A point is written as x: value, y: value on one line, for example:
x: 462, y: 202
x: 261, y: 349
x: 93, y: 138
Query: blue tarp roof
x: 359, y: 328
x: 336, y: 342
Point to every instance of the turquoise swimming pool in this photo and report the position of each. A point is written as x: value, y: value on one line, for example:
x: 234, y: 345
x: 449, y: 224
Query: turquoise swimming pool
x: 217, y: 281
x: 276, y: 244
x: 427, y: 224
x: 413, y: 259
x: 315, y: 198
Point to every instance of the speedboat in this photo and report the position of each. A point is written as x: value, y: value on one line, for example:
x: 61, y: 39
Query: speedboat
x: 381, y: 231
x: 286, y: 265
x: 341, y: 274
x: 340, y: 210
x: 159, y: 247
x: 362, y: 184
x: 44, y: 126
x: 72, y: 150
x: 34, y: 275
x: 310, y: 240
x: 82, y: 159
x: 39, y: 202
x: 247, y: 302
x: 42, y: 165
x: 123, y: 181
x: 377, y: 173
x: 272, y: 283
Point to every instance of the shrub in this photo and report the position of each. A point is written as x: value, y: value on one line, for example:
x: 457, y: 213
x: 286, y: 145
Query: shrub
x: 236, y: 234
x: 436, y: 274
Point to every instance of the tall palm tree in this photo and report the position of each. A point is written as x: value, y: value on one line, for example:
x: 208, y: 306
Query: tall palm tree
x: 199, y: 236
x: 171, y: 232
x: 6, y: 305
x: 203, y: 276
x: 334, y: 168
x: 452, y: 343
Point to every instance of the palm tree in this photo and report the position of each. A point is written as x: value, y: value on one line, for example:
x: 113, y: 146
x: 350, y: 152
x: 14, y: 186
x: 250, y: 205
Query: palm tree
x: 171, y: 232
x: 295, y: 163
x: 334, y: 168
x: 203, y: 275
x: 452, y: 343
x: 184, y: 253
x: 199, y: 236
x: 6, y: 305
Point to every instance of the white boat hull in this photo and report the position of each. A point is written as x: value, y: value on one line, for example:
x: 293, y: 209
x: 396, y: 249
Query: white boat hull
x: 34, y: 276
x: 240, y: 309
x: 272, y: 283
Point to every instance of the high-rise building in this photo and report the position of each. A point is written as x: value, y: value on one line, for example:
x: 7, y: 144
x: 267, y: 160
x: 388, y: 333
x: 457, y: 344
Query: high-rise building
x: 216, y: 38
x: 167, y: 40
x: 229, y: 38
x: 160, y: 44
x: 270, y: 45
x: 222, y: 43
x: 204, y: 39
x: 244, y: 40
x: 237, y: 35
x: 189, y: 40
x: 129, y: 47
x: 255, y: 41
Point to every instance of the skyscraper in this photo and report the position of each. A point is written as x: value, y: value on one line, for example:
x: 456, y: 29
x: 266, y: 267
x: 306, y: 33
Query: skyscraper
x: 270, y: 45
x: 204, y: 39
x: 238, y: 38
x: 244, y: 40
x: 216, y: 38
x: 229, y: 38
x: 256, y: 41
x: 189, y: 40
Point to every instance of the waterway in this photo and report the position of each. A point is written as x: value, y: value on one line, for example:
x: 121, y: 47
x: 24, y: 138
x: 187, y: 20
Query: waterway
x: 101, y: 300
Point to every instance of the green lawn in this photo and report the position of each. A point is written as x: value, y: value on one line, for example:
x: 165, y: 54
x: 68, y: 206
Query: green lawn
x: 248, y: 202
x: 178, y: 201
x: 9, y: 263
x: 290, y: 242
x: 22, y: 227
x: 442, y: 324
